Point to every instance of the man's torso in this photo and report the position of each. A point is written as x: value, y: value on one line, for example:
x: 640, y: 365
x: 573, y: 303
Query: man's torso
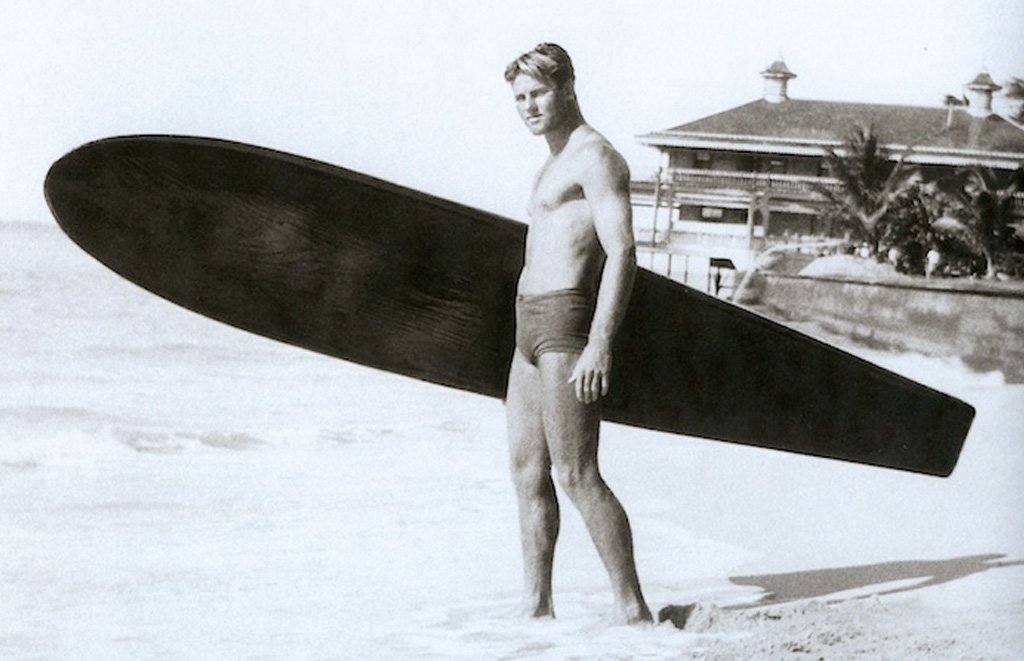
x: 562, y: 248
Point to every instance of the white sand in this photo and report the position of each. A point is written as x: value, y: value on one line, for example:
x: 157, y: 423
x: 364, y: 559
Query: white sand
x: 846, y: 266
x: 172, y: 488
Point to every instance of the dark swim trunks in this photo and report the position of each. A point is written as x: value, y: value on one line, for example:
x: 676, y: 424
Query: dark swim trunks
x: 554, y: 321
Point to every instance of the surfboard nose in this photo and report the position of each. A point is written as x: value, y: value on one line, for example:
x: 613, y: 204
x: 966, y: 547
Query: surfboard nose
x: 81, y: 190
x: 58, y: 188
x: 300, y: 251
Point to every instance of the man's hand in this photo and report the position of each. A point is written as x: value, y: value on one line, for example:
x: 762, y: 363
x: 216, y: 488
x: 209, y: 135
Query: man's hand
x: 590, y: 377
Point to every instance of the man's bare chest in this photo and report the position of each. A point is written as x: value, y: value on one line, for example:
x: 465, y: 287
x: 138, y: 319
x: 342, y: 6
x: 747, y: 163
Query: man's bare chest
x: 554, y: 187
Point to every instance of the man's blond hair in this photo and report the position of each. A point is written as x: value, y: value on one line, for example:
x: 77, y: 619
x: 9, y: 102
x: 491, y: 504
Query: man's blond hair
x: 548, y: 63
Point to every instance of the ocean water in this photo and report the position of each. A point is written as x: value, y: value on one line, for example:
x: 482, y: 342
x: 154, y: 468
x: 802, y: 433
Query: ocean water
x: 142, y: 447
x: 85, y: 347
x: 171, y: 487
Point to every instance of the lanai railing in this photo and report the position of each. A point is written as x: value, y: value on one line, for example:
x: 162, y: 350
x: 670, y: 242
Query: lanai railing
x: 694, y: 180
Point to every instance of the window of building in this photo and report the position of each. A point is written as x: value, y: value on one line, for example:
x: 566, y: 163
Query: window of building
x: 702, y: 160
x: 711, y: 213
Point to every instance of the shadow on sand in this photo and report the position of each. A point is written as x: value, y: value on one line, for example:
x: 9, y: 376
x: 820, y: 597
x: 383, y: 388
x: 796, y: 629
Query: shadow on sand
x: 783, y: 588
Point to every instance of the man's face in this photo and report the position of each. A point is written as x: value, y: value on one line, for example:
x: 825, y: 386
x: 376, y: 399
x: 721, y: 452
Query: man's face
x: 541, y: 106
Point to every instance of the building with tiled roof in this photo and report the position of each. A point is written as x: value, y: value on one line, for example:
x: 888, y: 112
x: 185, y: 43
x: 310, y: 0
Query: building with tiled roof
x: 729, y: 180
x: 937, y: 136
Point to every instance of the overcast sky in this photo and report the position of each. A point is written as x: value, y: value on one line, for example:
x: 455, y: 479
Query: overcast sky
x: 412, y: 91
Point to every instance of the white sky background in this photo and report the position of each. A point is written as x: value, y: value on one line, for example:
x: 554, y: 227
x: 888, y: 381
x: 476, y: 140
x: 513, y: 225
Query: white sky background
x: 412, y: 91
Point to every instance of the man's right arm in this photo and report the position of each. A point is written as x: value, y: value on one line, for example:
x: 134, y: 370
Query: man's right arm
x: 606, y: 189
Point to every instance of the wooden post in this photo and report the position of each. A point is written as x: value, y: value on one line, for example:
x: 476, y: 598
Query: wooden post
x: 657, y: 201
x: 668, y: 222
x: 766, y: 213
x: 751, y: 210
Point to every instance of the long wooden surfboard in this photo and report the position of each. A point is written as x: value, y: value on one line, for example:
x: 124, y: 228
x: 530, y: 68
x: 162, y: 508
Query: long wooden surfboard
x: 350, y: 266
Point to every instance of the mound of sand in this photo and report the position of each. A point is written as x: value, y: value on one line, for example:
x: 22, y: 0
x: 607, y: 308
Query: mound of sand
x: 851, y: 267
x: 867, y: 628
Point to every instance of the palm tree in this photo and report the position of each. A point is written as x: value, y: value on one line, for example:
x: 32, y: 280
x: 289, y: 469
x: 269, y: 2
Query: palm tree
x: 909, y: 229
x: 1014, y: 89
x: 979, y: 210
x: 953, y: 101
x: 869, y: 182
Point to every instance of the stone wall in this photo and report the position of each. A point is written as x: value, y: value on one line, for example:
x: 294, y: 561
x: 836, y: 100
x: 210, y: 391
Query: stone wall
x: 982, y: 323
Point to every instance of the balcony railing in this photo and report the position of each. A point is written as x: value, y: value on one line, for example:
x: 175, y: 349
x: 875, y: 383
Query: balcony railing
x: 688, y: 180
x: 692, y: 180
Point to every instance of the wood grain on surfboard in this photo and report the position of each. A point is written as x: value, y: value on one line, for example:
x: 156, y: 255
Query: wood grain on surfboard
x: 361, y: 269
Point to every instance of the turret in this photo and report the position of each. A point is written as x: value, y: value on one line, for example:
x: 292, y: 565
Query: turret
x: 776, y: 80
x: 979, y: 95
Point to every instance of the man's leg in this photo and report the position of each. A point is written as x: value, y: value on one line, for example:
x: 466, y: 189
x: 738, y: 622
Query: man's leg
x: 571, y: 429
x: 531, y: 473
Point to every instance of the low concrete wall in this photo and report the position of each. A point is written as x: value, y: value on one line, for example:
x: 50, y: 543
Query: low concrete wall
x: 982, y: 323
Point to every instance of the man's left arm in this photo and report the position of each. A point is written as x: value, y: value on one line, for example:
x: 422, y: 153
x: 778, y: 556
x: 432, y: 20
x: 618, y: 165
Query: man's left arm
x: 606, y: 189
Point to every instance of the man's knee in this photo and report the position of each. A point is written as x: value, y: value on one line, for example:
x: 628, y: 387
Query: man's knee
x: 532, y: 477
x: 578, y: 481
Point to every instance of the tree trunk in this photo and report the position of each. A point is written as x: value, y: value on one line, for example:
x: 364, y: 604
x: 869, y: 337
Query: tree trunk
x: 990, y: 265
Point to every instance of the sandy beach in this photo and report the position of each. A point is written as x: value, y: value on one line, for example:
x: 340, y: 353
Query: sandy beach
x: 171, y: 488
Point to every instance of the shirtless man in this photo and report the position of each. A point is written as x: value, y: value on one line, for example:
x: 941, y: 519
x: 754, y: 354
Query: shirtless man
x: 573, y: 290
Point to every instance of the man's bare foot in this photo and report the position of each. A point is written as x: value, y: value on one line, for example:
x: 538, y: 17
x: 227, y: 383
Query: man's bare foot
x: 639, y: 614
x: 541, y: 611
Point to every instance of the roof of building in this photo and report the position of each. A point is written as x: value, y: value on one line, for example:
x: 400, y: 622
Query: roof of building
x: 778, y: 69
x: 984, y: 81
x: 822, y: 123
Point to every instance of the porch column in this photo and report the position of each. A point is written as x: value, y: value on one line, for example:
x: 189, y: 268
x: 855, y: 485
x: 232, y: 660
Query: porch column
x: 657, y: 202
x: 766, y: 212
x: 751, y: 211
x: 759, y: 203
